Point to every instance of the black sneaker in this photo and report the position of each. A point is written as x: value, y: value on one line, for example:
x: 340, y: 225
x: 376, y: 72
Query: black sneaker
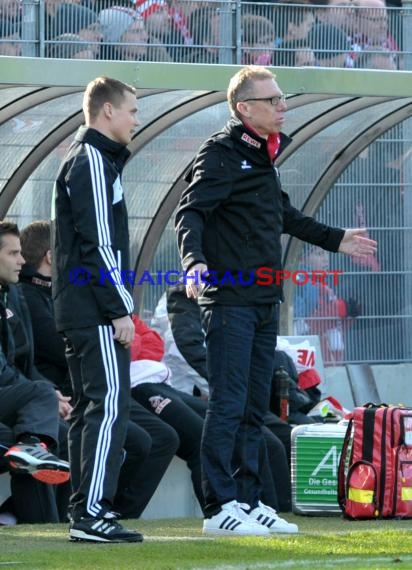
x: 36, y: 460
x: 103, y: 529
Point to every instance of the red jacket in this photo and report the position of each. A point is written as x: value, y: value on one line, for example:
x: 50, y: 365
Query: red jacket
x: 147, y: 343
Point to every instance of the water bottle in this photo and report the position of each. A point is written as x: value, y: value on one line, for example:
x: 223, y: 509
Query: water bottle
x: 282, y: 392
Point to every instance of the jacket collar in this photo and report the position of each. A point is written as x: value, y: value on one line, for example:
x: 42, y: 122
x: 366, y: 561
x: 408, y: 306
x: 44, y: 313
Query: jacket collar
x: 99, y: 140
x: 28, y: 274
x: 249, y: 138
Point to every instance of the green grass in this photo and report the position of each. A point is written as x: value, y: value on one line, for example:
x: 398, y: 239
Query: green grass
x: 177, y: 544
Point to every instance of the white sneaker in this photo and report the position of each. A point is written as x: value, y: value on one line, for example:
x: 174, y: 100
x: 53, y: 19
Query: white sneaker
x: 233, y: 521
x: 270, y: 519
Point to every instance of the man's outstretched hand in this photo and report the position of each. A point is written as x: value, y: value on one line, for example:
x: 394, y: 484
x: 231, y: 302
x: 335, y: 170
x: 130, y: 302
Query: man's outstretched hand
x: 355, y: 243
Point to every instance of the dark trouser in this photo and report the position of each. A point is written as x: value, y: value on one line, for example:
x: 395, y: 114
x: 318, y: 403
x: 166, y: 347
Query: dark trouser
x: 63, y: 491
x: 279, y: 470
x: 240, y: 343
x: 282, y: 430
x: 268, y: 493
x: 30, y: 407
x: 100, y: 373
x: 185, y: 414
x: 150, y: 446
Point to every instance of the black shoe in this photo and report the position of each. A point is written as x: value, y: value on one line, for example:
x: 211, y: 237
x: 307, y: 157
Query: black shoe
x: 103, y: 529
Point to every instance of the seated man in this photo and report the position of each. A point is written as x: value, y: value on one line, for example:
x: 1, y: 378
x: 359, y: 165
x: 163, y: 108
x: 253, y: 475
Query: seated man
x: 29, y: 408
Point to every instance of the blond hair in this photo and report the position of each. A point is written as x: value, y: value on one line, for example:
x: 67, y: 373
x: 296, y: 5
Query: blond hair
x: 242, y: 84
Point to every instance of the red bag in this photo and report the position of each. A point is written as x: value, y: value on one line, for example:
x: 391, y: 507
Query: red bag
x: 376, y: 480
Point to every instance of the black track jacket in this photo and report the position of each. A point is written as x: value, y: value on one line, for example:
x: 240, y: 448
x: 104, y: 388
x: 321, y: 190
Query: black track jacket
x: 90, y: 234
x: 16, y: 339
x: 232, y: 215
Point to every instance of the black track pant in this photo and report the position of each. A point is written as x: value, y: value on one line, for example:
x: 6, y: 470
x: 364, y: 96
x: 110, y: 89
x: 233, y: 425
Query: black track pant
x: 100, y: 372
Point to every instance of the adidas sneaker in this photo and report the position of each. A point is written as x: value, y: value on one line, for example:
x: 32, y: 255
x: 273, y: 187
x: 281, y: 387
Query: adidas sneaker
x: 233, y: 521
x: 270, y: 519
x: 36, y: 460
x: 103, y: 529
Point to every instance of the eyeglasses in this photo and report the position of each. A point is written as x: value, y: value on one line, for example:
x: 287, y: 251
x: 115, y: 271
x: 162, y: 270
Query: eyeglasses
x: 275, y: 100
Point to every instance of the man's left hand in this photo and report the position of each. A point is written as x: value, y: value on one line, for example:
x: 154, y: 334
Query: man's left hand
x: 65, y: 409
x: 355, y: 243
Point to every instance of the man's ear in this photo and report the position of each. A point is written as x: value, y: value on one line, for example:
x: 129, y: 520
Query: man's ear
x: 243, y: 108
x: 107, y: 109
x: 48, y: 256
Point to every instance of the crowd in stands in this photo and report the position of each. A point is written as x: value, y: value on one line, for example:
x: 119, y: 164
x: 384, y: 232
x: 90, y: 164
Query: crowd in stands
x: 325, y: 33
x: 169, y: 393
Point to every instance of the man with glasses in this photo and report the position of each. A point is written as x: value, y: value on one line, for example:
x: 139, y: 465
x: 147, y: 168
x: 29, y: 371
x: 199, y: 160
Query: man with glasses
x: 229, y: 224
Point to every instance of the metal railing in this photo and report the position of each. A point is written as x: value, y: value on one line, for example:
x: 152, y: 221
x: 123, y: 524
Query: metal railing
x: 193, y: 31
